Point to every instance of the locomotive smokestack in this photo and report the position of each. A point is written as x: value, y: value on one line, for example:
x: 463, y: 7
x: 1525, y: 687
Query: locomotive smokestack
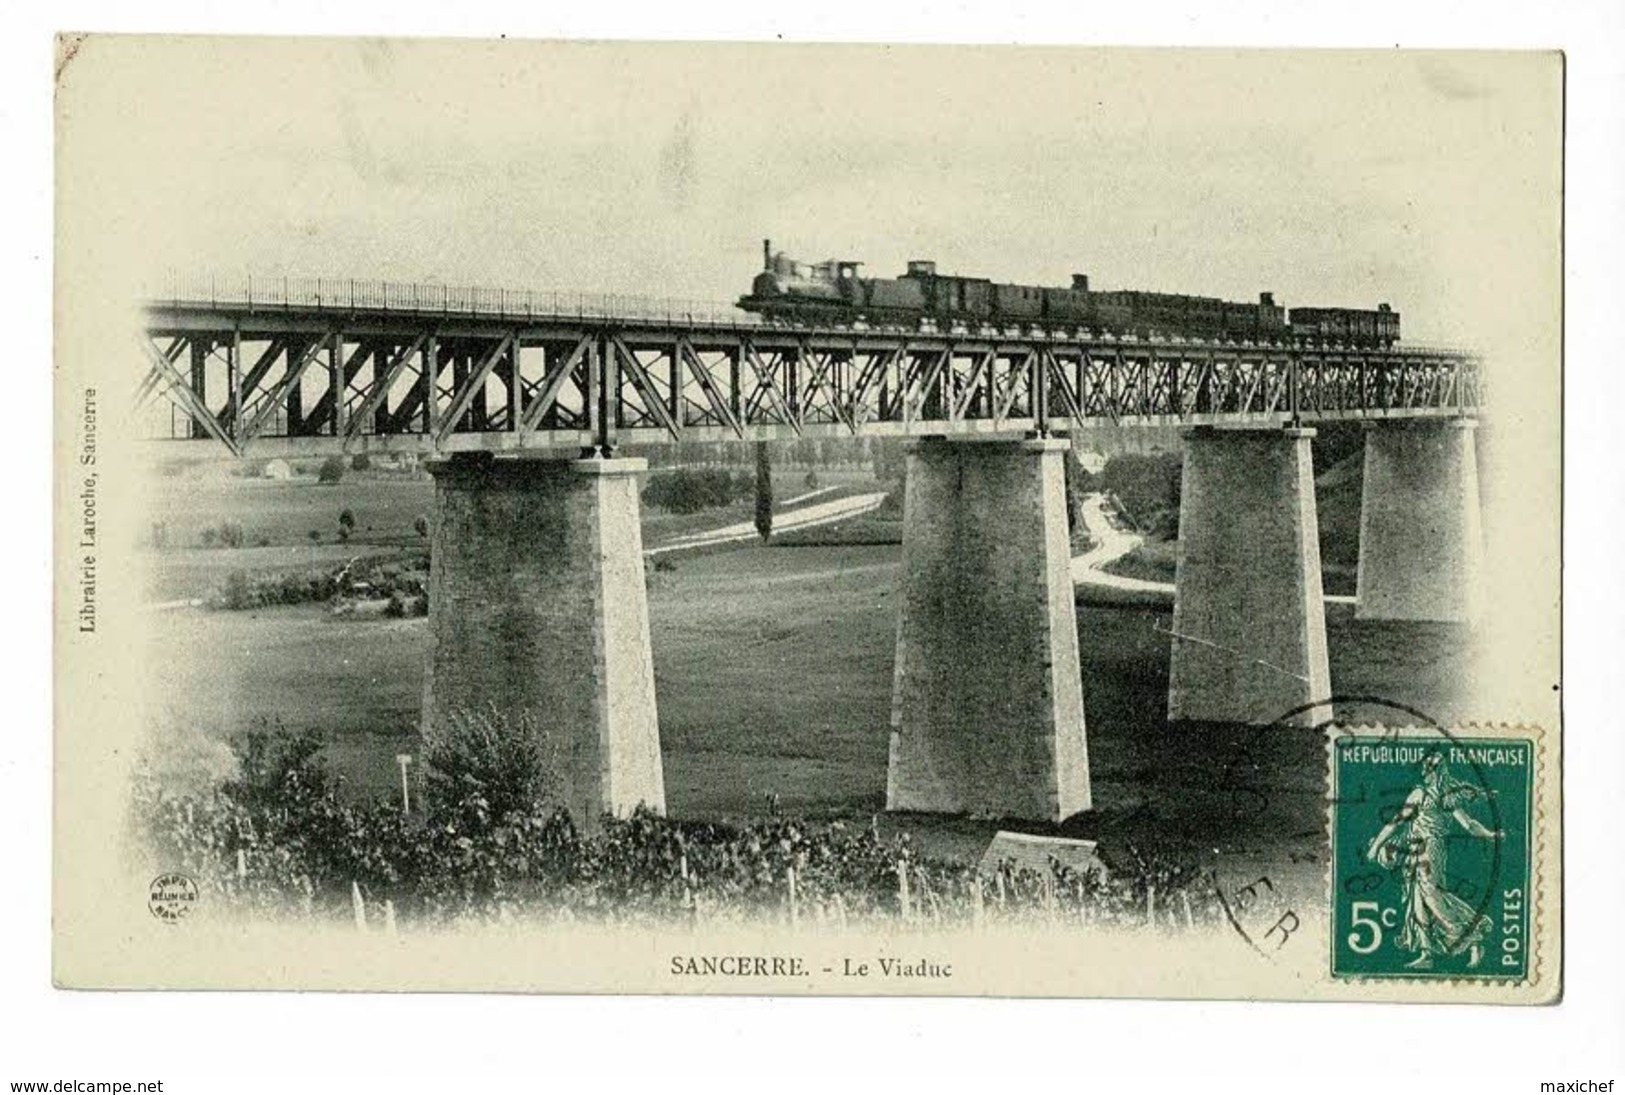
x: 767, y: 254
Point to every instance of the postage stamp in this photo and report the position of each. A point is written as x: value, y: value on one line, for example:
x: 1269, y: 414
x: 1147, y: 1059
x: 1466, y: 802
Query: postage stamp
x: 1432, y: 853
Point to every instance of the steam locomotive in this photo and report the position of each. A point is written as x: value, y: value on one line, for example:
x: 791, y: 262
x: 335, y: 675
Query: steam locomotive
x: 791, y: 292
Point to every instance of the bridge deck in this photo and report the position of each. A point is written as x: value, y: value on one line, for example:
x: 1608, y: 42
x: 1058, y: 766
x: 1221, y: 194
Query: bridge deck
x: 326, y: 367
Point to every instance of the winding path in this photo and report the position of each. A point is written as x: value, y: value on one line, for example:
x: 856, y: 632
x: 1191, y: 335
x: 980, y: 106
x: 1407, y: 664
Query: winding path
x: 1111, y: 544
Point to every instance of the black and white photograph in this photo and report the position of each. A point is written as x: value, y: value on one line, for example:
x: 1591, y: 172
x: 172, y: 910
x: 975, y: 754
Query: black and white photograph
x: 782, y: 519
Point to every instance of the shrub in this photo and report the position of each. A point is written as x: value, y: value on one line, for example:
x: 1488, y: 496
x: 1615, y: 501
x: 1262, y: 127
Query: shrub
x: 811, y: 481
x: 360, y: 462
x: 421, y: 526
x: 481, y: 765
x: 237, y: 593
x: 274, y: 833
x: 183, y: 760
x: 691, y: 490
x: 331, y: 471
x: 891, y: 462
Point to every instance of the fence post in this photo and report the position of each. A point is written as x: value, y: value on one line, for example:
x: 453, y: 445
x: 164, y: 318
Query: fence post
x: 242, y: 865
x: 902, y: 889
x: 690, y: 901
x: 389, y: 917
x: 404, y: 759
x: 1150, y: 905
x: 976, y: 902
x: 1185, y: 899
x: 358, y: 906
x: 790, y: 882
x: 999, y: 880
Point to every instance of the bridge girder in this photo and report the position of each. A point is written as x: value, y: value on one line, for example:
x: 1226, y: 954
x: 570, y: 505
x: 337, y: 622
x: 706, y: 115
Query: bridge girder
x: 375, y: 380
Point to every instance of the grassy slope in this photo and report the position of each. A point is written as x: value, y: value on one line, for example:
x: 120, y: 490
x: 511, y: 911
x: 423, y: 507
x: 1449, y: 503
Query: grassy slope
x: 1337, y: 506
x: 774, y: 676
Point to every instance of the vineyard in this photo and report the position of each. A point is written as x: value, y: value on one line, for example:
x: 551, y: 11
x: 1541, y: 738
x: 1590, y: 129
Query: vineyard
x: 276, y: 839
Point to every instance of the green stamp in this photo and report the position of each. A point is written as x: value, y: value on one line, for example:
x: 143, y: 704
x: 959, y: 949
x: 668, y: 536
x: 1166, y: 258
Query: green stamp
x: 1431, y: 854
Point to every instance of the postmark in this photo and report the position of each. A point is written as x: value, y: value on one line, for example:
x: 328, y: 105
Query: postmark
x: 1432, y: 853
x: 1264, y: 910
x: 172, y: 897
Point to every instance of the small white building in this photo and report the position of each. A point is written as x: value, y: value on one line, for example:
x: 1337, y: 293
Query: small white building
x: 277, y: 469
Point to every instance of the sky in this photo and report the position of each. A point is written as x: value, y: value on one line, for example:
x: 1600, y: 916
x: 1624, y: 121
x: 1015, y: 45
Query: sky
x: 1426, y: 180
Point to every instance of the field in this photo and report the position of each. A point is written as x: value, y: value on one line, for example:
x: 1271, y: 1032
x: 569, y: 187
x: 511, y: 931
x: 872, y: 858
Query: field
x: 773, y: 670
x: 279, y: 518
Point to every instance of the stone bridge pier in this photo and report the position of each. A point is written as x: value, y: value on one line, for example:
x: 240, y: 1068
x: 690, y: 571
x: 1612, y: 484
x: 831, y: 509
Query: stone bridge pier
x: 987, y: 703
x: 538, y: 608
x: 1249, y: 627
x: 1421, y: 533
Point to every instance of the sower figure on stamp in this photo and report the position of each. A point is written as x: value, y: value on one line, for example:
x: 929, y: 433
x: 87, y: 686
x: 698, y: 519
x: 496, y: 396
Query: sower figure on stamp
x: 1437, y: 922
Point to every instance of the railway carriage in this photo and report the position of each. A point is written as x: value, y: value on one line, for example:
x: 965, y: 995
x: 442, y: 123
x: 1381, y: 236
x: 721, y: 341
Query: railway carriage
x: 791, y: 292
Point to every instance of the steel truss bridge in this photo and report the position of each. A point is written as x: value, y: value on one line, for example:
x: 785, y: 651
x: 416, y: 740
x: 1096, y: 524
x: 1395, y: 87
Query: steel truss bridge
x: 316, y: 366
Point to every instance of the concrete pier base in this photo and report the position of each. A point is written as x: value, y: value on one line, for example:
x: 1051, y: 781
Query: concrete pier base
x: 537, y: 607
x: 1421, y: 536
x: 1249, y: 623
x: 987, y: 703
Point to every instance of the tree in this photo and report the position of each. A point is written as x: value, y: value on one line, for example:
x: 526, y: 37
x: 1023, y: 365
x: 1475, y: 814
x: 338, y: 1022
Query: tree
x: 1070, y: 479
x: 764, y: 492
x: 332, y: 470
x: 891, y: 462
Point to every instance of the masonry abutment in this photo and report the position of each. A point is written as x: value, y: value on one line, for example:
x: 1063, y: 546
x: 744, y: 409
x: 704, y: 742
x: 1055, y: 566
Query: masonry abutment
x: 1421, y: 532
x: 537, y: 605
x: 987, y: 703
x: 1249, y: 626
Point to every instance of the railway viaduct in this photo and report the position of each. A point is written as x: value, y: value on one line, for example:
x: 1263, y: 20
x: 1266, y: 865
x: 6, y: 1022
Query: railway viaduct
x: 537, y: 600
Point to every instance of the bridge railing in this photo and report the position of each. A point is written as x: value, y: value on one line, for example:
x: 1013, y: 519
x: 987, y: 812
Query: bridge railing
x: 258, y: 292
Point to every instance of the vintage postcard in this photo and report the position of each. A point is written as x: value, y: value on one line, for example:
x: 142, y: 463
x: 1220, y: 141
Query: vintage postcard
x: 680, y: 518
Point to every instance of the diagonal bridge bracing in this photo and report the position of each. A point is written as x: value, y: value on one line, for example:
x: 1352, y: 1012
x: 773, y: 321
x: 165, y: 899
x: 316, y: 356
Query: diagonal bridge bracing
x: 397, y: 371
